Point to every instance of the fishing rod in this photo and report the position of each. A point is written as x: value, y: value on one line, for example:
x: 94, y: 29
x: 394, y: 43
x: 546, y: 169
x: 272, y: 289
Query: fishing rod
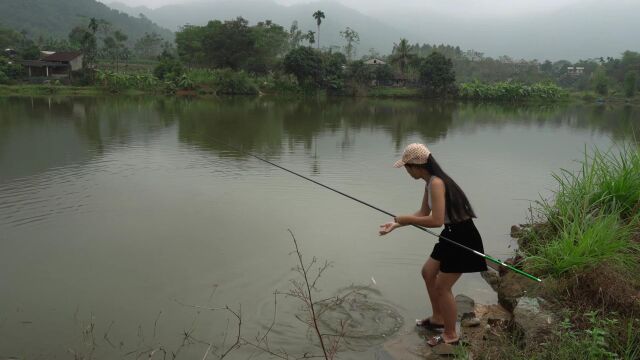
x: 487, y: 257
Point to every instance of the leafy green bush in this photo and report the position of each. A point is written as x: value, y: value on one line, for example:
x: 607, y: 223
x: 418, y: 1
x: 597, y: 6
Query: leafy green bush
x: 4, y: 79
x: 169, y: 67
x: 510, y: 91
x: 231, y: 82
x: 630, y: 83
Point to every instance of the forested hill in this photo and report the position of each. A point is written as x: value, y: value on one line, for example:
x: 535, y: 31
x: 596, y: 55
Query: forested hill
x: 56, y: 18
x: 373, y: 33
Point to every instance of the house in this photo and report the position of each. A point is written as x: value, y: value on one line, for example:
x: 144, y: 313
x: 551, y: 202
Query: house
x: 374, y: 61
x: 54, y: 65
x: 575, y: 71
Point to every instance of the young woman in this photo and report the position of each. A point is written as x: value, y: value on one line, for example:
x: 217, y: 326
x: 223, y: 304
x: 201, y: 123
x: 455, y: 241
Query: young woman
x: 444, y: 203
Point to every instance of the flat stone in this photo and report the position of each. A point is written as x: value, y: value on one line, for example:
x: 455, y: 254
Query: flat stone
x: 470, y: 322
x: 532, y: 320
x: 444, y: 349
x: 465, y: 306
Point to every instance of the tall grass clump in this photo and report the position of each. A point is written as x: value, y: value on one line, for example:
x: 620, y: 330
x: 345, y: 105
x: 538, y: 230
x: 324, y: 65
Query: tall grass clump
x: 511, y: 91
x: 592, y: 217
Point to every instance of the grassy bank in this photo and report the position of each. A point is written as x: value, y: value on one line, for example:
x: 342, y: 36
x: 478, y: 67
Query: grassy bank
x: 585, y: 244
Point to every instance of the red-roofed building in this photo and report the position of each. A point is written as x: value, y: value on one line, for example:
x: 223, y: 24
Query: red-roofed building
x: 55, y: 65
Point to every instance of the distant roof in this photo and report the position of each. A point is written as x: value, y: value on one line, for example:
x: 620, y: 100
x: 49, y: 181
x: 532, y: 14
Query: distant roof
x: 374, y: 61
x: 63, y: 56
x: 39, y: 63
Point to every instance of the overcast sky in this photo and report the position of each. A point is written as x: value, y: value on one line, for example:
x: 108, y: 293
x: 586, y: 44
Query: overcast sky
x: 462, y: 8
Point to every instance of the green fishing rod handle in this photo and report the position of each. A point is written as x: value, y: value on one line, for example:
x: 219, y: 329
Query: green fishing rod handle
x: 518, y: 271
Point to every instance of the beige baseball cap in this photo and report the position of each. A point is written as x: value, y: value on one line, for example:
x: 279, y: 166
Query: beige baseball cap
x: 413, y: 154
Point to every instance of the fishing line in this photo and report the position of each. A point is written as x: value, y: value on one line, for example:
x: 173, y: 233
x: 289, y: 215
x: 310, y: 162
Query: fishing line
x: 487, y: 257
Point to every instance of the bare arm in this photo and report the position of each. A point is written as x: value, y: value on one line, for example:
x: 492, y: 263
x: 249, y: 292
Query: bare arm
x: 436, y: 217
x: 424, y: 208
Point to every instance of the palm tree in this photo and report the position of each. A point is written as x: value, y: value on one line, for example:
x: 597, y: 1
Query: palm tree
x: 402, y: 54
x: 318, y: 15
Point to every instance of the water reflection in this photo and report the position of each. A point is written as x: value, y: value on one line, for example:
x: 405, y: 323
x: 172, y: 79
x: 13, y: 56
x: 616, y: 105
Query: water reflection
x: 41, y: 133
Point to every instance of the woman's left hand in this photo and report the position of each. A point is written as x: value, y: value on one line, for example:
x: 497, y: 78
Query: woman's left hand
x: 388, y: 227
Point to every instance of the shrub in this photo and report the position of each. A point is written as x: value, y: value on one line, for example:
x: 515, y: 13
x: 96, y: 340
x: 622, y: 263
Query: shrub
x: 169, y: 68
x: 630, y: 83
x: 437, y: 77
x: 511, y: 91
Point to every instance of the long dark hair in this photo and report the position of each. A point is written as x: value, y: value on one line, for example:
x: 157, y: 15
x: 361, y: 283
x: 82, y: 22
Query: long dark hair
x: 457, y: 205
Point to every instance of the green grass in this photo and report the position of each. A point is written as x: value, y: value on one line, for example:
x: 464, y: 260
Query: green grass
x: 38, y: 90
x: 592, y: 217
x: 602, y: 337
x: 511, y: 91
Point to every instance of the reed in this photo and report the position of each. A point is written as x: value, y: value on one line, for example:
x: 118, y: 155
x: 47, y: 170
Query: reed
x: 592, y: 217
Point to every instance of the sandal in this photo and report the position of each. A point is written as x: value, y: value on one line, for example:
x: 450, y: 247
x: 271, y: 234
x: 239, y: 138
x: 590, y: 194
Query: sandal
x: 427, y: 324
x: 439, y: 339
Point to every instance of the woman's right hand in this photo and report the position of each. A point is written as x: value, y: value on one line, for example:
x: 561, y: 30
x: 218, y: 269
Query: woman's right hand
x: 388, y: 227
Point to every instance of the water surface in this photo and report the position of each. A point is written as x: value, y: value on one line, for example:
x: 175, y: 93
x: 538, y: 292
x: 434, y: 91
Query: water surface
x: 119, y: 211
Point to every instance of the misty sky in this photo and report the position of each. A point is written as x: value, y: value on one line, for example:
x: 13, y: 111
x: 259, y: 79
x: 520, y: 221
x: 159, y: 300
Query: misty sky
x: 462, y: 8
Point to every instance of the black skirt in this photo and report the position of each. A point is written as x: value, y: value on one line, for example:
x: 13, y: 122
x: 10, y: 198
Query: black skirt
x: 454, y: 259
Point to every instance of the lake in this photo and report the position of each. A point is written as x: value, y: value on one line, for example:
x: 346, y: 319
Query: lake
x: 121, y: 218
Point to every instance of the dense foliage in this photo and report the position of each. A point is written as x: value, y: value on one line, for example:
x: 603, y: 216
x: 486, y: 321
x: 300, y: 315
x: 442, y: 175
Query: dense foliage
x: 49, y: 18
x: 510, y: 91
x: 233, y: 44
x: 437, y: 77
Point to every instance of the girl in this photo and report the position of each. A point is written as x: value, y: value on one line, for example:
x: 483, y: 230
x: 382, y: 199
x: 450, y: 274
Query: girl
x: 444, y: 203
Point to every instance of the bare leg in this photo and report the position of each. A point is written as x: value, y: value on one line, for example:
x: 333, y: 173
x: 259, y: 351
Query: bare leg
x: 430, y: 271
x: 447, y: 303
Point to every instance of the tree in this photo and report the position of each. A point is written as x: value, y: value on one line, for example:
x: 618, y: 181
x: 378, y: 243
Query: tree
x: 600, y: 81
x: 295, y: 35
x: 83, y: 39
x: 190, y: 44
x: 148, y: 46
x: 115, y: 48
x: 305, y: 64
x: 402, y: 55
x: 437, y: 76
x: 630, y: 83
x: 271, y: 43
x: 311, y: 37
x: 229, y: 44
x: 318, y: 15
x: 332, y: 70
x: 351, y: 37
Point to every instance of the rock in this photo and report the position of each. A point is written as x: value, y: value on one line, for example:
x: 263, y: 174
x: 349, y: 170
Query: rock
x: 444, y: 349
x: 534, y: 322
x: 465, y: 307
x: 492, y: 278
x: 516, y: 231
x: 512, y: 287
x: 470, y: 322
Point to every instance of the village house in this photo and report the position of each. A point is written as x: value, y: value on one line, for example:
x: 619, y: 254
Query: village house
x: 57, y: 65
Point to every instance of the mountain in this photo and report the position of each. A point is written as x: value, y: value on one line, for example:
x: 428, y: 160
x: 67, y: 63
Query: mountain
x: 373, y: 33
x: 575, y: 30
x: 56, y: 18
x: 581, y: 30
